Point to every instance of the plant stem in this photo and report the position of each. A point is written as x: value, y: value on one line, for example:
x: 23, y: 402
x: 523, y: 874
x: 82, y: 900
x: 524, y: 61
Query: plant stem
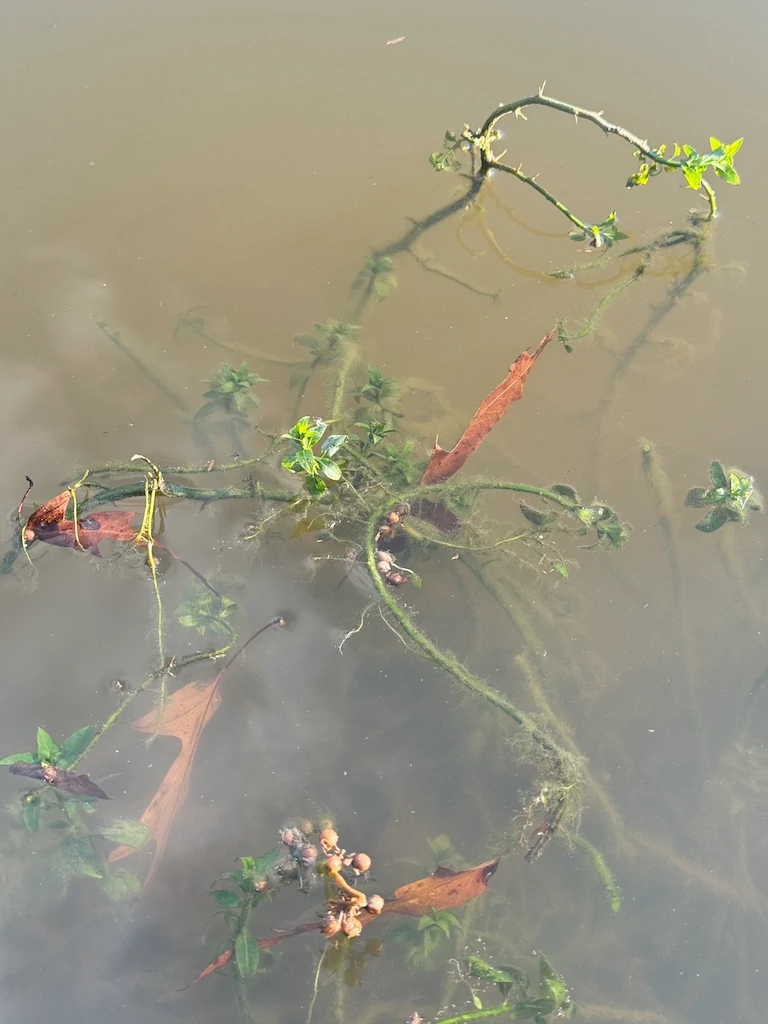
x: 162, y: 387
x: 596, y: 117
x: 163, y: 672
x: 134, y: 490
x: 561, y: 760
x: 497, y: 1011
x: 345, y: 361
x: 612, y: 891
x: 528, y: 180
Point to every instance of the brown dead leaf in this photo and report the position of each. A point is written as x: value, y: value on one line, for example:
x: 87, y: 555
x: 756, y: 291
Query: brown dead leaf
x: 221, y: 960
x: 185, y: 714
x: 443, y: 464
x: 48, y: 514
x: 59, y: 778
x: 48, y: 524
x: 441, y: 890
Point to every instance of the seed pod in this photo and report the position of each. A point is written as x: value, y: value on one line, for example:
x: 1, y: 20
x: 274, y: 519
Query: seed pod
x: 393, y: 518
x: 307, y: 855
x: 396, y: 579
x: 385, y: 568
x: 361, y: 863
x: 331, y: 925
x: 333, y: 863
x: 351, y: 927
x: 384, y: 556
x: 375, y: 904
x: 329, y: 839
x: 385, y: 530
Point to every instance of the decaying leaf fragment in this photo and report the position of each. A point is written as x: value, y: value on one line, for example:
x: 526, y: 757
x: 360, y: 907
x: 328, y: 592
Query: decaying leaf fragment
x: 443, y: 464
x: 48, y: 524
x: 70, y: 782
x: 441, y: 890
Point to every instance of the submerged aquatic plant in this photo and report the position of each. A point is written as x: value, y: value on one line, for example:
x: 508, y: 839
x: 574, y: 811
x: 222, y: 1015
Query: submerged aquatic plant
x: 378, y: 276
x: 301, y: 459
x: 732, y: 493
x: 230, y: 393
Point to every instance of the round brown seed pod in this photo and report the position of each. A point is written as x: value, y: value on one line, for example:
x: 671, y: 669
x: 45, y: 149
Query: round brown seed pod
x: 397, y: 579
x: 361, y: 863
x: 375, y: 904
x: 307, y: 855
x: 331, y: 926
x: 334, y: 863
x: 351, y: 927
x: 329, y: 839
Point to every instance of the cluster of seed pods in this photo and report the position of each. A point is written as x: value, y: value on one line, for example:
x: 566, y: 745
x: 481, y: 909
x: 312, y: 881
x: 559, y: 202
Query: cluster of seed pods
x: 343, y: 913
x: 387, y: 529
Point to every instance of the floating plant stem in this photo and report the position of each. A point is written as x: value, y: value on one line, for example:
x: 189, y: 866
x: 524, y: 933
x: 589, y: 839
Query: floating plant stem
x: 611, y: 889
x: 562, y: 762
x: 162, y: 387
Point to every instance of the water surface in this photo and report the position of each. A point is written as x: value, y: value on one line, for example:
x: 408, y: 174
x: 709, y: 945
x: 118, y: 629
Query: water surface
x: 239, y: 161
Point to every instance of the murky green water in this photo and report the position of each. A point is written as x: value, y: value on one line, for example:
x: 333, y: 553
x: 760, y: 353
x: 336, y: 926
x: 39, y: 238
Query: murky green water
x: 238, y: 162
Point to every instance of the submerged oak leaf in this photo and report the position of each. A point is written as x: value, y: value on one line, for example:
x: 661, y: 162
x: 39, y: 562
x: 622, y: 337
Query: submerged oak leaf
x: 184, y: 716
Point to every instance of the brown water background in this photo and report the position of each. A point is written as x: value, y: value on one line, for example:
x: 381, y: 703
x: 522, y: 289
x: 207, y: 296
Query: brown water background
x: 243, y: 158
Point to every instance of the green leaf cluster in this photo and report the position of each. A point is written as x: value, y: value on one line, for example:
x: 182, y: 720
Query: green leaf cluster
x: 693, y: 165
x: 252, y: 874
x: 732, y: 493
x: 301, y: 458
x: 77, y: 853
x: 323, y: 345
x: 229, y: 392
x: 374, y: 433
x: 255, y: 882
x: 399, y: 466
x: 609, y: 528
x: 602, y: 235
x: 551, y: 1003
x: 445, y: 160
x: 377, y: 388
x: 206, y: 612
x: 49, y: 752
x: 327, y: 336
x: 420, y: 941
x: 377, y: 273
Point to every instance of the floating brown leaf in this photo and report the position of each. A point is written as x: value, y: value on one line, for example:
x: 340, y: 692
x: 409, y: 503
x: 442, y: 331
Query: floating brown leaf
x: 48, y: 524
x: 184, y: 715
x: 59, y: 778
x: 441, y: 890
x: 50, y: 513
x: 443, y: 464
